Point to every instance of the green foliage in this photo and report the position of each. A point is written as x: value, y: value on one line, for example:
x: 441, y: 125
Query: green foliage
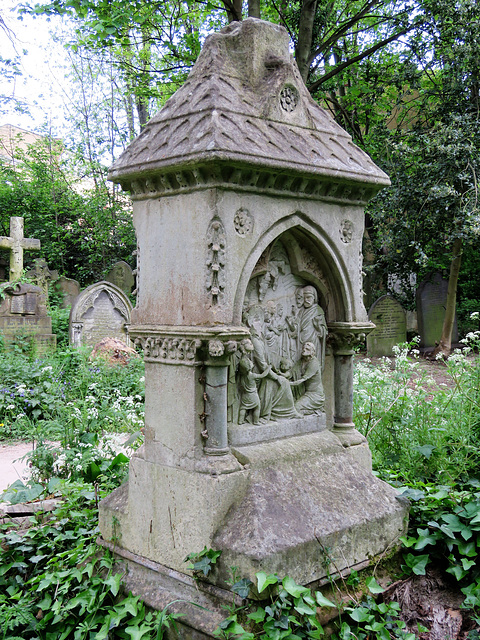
x: 202, y: 562
x: 55, y: 584
x: 416, y: 429
x: 82, y: 234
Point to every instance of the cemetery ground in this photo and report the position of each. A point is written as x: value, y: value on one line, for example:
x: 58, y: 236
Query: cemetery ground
x: 422, y: 421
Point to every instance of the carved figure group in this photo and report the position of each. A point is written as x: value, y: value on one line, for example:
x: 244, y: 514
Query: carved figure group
x: 277, y: 374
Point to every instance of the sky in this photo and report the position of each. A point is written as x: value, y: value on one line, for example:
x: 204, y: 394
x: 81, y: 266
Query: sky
x: 43, y: 81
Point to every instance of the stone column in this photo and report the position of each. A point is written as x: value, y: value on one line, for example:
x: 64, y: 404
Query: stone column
x: 343, y: 337
x: 216, y: 378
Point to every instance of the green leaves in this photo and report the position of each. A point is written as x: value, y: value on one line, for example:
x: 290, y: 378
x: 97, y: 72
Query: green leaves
x: 203, y: 561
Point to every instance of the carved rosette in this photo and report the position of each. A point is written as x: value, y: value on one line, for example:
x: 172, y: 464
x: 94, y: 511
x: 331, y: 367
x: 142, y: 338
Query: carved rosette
x: 243, y: 222
x: 289, y: 98
x: 344, y: 337
x: 216, y: 243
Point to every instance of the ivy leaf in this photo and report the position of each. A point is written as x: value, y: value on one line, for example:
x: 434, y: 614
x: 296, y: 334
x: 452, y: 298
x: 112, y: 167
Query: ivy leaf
x: 258, y: 615
x: 293, y: 588
x: 322, y: 601
x: 373, y: 585
x: 242, y: 587
x: 263, y: 580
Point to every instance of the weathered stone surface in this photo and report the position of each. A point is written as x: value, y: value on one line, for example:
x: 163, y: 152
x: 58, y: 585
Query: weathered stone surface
x: 431, y: 298
x: 252, y: 279
x: 390, y: 323
x: 23, y: 312
x: 68, y: 289
x: 100, y: 311
x: 42, y: 275
x: 245, y: 101
x: 121, y: 275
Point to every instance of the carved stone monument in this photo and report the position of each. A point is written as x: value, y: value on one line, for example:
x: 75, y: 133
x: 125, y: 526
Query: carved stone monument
x: 68, y: 289
x: 17, y: 244
x: 121, y: 275
x: 431, y: 299
x: 101, y: 310
x: 389, y: 318
x: 23, y: 312
x: 248, y: 319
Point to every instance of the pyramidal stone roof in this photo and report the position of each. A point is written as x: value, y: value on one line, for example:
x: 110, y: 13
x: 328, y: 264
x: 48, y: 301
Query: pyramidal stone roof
x: 244, y: 104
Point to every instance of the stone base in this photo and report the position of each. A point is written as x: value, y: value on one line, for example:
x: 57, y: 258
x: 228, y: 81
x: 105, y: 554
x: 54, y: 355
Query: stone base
x: 300, y: 506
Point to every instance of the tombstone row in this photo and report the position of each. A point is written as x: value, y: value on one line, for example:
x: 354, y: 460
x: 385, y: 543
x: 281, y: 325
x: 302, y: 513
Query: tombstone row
x: 391, y: 321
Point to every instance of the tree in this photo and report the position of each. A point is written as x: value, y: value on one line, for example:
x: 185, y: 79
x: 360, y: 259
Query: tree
x: 81, y: 232
x: 431, y: 211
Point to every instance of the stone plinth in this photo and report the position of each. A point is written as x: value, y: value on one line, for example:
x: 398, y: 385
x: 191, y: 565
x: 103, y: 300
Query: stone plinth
x: 248, y: 319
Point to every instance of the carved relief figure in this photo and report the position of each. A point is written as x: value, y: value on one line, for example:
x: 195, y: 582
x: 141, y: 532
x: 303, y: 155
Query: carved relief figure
x: 311, y: 323
x: 277, y: 374
x: 308, y: 377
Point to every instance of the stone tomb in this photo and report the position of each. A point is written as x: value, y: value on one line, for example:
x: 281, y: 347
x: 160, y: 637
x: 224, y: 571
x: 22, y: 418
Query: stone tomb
x: 248, y: 319
x: 121, y: 275
x: 102, y: 310
x: 431, y: 299
x: 389, y: 319
x: 23, y: 312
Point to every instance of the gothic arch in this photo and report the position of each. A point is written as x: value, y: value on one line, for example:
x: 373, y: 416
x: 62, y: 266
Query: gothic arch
x: 313, y: 257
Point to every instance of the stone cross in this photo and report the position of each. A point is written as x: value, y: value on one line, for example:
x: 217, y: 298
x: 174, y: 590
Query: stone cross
x: 16, y: 242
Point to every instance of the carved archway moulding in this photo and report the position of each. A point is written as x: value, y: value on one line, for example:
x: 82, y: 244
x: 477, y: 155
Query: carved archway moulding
x: 313, y: 257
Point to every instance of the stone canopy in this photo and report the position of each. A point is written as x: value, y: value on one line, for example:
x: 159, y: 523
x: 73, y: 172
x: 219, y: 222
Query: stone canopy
x: 244, y: 106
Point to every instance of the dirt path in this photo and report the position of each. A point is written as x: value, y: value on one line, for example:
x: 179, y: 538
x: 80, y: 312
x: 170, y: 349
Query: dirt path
x: 11, y: 466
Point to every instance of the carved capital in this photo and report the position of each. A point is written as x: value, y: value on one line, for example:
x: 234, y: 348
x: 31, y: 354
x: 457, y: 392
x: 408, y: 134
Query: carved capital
x: 345, y: 337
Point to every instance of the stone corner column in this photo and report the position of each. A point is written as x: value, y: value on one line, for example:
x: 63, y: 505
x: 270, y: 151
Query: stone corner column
x: 343, y: 338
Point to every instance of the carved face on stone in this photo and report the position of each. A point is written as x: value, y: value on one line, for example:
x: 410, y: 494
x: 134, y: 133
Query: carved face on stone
x: 299, y: 297
x: 309, y: 297
x: 308, y: 350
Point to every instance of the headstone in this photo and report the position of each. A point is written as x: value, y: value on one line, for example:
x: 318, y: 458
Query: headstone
x: 101, y: 310
x: 41, y: 275
x: 17, y: 244
x: 121, y: 275
x: 23, y: 312
x: 389, y: 318
x: 248, y: 321
x: 431, y: 299
x: 68, y: 289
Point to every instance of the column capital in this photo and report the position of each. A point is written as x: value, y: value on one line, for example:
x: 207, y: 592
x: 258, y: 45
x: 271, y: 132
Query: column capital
x: 344, y: 337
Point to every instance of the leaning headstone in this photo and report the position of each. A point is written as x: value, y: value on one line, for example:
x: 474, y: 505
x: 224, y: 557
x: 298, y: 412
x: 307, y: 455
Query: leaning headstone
x: 101, y: 310
x: 23, y: 313
x: 389, y: 319
x: 42, y: 275
x: 17, y: 244
x: 121, y: 275
x: 248, y: 319
x: 67, y: 289
x: 431, y: 299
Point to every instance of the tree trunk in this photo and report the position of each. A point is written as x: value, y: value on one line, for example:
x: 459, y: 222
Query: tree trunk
x: 305, y: 34
x: 254, y: 9
x: 233, y: 9
x: 445, y: 345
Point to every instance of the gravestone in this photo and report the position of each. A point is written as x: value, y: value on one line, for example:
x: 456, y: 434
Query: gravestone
x: 23, y: 312
x: 248, y: 321
x: 17, y: 244
x: 101, y: 310
x: 431, y: 299
x: 42, y: 275
x: 389, y: 318
x: 68, y: 289
x: 121, y: 275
